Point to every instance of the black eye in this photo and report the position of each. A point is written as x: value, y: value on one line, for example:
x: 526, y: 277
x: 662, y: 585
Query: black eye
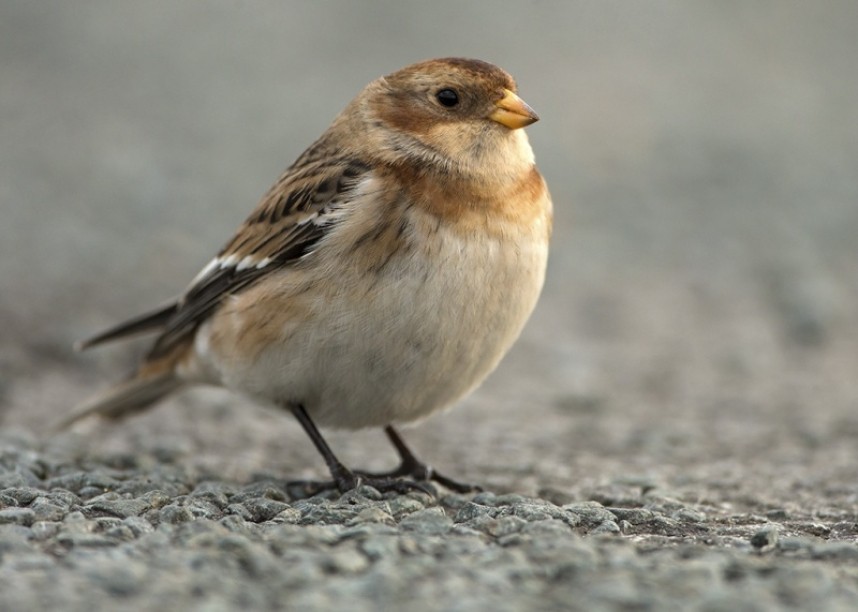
x: 447, y: 97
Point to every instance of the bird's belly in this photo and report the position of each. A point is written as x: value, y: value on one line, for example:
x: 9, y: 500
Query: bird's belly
x: 399, y: 343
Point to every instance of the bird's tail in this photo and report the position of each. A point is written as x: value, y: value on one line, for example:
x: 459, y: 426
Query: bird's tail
x: 131, y: 396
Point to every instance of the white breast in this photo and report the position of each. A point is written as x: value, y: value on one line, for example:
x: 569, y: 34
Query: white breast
x: 402, y: 344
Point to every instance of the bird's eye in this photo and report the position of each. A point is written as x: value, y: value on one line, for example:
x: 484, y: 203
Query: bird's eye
x: 447, y: 97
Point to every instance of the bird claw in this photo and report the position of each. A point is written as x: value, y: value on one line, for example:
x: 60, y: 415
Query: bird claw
x: 417, y: 472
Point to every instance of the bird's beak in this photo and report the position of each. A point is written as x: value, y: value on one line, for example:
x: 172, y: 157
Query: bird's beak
x: 513, y: 112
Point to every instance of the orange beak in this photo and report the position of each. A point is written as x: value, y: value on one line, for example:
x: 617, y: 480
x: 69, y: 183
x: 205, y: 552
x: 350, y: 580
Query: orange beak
x: 513, y: 112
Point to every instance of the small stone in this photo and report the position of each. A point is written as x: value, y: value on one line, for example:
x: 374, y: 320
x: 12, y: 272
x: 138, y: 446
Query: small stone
x: 22, y: 495
x: 65, y: 499
x: 156, y: 498
x: 346, y: 561
x: 403, y: 504
x: 120, y: 508
x: 485, y: 498
x: 262, y: 509
x: 689, y: 515
x: 635, y: 516
x: 590, y: 513
x: 505, y: 526
x: 173, y: 514
x: 213, y: 492
x: 794, y: 544
x: 820, y: 530
x: 138, y: 525
x: 121, y: 580
x: 376, y: 548
x: 765, y: 538
x: 431, y: 521
x: 42, y: 530
x: 120, y: 532
x: 532, y: 512
x: 203, y: 508
x: 44, y: 510
x: 266, y: 489
x: 85, y: 540
x: 472, y: 510
x: 840, y: 551
x: 17, y: 516
x: 547, y: 527
x: 372, y: 514
x: 289, y: 516
x: 609, y: 527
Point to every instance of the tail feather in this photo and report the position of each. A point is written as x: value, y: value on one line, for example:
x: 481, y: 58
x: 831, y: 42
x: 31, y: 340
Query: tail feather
x: 128, y: 397
x: 147, y: 322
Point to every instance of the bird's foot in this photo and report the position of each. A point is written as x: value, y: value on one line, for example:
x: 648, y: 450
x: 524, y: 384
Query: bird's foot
x: 419, y: 472
x: 348, y: 481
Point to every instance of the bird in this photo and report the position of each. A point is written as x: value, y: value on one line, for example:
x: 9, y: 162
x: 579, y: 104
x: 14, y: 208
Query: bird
x: 379, y: 280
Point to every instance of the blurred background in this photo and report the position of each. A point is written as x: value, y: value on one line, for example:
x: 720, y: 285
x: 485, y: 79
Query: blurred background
x: 702, y: 297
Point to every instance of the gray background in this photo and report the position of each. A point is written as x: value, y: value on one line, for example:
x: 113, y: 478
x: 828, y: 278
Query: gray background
x: 699, y: 325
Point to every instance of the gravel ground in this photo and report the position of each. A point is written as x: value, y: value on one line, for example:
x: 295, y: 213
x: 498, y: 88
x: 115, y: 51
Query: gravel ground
x: 677, y: 427
x: 146, y: 533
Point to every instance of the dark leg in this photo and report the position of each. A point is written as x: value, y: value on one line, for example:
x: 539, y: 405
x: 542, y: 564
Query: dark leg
x: 412, y: 467
x: 343, y: 478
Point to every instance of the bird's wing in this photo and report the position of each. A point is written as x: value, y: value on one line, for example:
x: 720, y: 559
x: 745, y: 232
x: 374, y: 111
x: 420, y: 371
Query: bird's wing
x: 286, y: 225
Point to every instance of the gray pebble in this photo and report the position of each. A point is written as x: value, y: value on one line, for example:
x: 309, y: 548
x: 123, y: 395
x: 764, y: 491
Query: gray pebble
x: 326, y: 514
x: 138, y: 526
x: 591, y: 514
x: 534, y: 512
x: 472, y: 510
x: 84, y: 540
x: 21, y: 495
x: 290, y: 516
x: 607, y: 527
x: 117, y: 507
x: 372, y: 514
x: 428, y: 521
x: 42, y: 530
x: 841, y: 551
x: 62, y: 498
x: 689, y: 515
x: 547, y: 527
x: 346, y: 561
x: 203, y: 508
x: 44, y: 510
x: 634, y: 516
x: 404, y: 504
x: 504, y: 526
x: 266, y: 489
x: 17, y: 516
x: 765, y: 538
x: 485, y: 498
x: 173, y: 514
x: 264, y: 509
x: 214, y: 493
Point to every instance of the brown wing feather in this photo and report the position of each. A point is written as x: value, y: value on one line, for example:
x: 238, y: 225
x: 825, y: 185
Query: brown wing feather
x: 286, y: 225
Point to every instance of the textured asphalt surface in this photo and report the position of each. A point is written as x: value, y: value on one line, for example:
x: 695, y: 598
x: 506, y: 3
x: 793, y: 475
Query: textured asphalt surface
x: 676, y: 429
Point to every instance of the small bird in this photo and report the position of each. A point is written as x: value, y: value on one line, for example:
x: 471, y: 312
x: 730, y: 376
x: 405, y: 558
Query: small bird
x: 380, y: 279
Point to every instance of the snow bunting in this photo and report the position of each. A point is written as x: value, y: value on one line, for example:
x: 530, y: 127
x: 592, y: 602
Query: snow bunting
x: 381, y: 278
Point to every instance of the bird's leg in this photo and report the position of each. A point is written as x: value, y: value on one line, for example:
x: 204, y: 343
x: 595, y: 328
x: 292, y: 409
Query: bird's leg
x: 343, y: 478
x: 412, y: 467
